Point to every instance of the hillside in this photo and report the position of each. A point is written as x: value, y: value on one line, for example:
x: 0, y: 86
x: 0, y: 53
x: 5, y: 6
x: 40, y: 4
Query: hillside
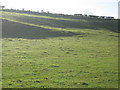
x: 54, y: 51
x: 50, y: 22
x: 18, y: 30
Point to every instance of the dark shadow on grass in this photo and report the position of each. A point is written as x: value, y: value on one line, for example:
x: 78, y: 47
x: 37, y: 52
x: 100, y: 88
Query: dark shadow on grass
x: 17, y: 30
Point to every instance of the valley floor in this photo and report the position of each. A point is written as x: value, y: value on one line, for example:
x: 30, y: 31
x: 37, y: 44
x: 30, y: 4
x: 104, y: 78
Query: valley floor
x: 89, y: 60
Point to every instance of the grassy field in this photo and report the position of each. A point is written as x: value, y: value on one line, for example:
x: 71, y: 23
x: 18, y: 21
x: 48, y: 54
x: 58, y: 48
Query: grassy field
x: 53, y: 52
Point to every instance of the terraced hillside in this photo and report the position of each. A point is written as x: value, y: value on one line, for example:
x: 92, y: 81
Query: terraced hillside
x: 47, y: 51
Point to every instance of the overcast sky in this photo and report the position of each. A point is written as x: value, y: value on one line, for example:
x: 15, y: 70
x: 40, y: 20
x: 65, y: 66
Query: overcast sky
x: 95, y: 7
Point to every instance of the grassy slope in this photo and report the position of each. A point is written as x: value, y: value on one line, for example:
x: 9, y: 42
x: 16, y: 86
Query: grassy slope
x: 58, y: 23
x: 74, y: 58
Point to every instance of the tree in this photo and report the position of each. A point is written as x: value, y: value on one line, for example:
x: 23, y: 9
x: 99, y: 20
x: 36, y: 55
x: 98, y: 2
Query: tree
x: 2, y: 7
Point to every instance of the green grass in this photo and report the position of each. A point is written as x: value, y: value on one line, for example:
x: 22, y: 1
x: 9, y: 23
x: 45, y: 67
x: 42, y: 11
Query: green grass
x: 13, y: 14
x: 53, y: 23
x: 87, y: 60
